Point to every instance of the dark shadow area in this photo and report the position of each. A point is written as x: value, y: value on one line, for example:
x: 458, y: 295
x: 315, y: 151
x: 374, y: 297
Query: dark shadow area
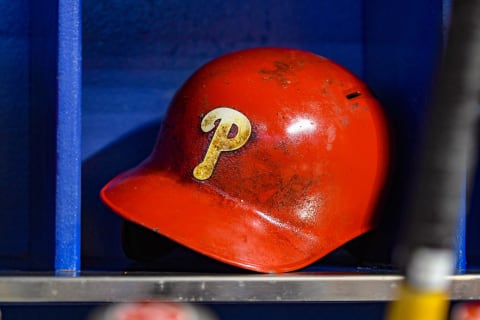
x: 101, y: 228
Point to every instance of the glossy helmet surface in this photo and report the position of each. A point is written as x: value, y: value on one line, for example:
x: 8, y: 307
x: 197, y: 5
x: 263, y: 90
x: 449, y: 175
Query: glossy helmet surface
x: 268, y: 159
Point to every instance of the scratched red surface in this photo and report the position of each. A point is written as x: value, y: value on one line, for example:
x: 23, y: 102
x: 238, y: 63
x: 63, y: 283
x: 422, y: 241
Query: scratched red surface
x: 306, y: 181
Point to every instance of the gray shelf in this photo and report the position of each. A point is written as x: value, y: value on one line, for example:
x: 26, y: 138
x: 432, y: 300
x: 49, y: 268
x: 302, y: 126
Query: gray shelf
x: 217, y: 288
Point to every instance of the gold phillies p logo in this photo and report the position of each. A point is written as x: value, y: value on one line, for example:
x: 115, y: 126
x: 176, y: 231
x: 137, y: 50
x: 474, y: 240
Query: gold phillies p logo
x: 221, y: 141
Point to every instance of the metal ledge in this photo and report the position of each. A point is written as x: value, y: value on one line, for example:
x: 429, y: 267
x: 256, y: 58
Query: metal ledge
x: 217, y: 288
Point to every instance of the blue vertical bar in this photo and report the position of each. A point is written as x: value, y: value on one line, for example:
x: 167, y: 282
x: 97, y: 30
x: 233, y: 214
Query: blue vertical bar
x: 460, y: 236
x: 68, y: 177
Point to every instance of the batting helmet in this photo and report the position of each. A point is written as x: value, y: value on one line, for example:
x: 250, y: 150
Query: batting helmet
x: 267, y: 159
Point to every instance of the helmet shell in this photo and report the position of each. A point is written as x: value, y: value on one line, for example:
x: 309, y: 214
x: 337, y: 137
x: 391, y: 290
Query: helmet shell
x: 267, y: 159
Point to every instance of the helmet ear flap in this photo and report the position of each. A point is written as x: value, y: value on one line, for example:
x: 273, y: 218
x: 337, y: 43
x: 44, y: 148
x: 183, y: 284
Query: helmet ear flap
x: 144, y: 245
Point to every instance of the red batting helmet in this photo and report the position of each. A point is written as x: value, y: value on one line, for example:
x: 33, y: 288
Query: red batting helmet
x: 268, y: 159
